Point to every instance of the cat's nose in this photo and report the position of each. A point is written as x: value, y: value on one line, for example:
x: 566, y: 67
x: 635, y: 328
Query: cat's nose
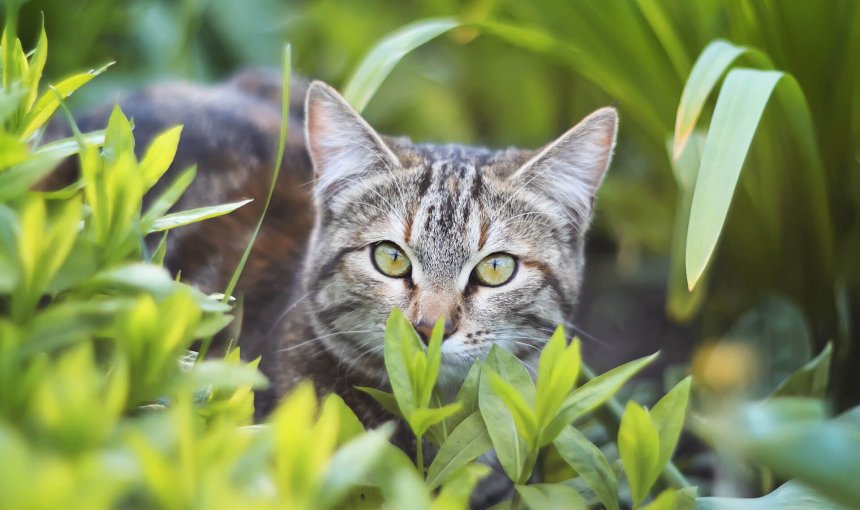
x: 424, y: 329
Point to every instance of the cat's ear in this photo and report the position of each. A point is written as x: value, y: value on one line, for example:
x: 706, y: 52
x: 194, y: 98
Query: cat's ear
x: 570, y: 169
x: 342, y: 145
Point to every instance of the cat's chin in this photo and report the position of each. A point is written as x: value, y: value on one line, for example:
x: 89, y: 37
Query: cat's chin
x: 456, y: 363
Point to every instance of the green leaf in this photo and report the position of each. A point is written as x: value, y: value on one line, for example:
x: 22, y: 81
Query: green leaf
x: 50, y: 100
x: 59, y: 149
x: 524, y: 416
x: 118, y: 137
x: 558, y: 370
x: 664, y: 501
x: 459, y: 486
x: 639, y: 447
x: 20, y: 178
x: 546, y: 496
x: 385, y: 399
x: 811, y: 379
x: 512, y: 370
x: 595, y: 392
x: 590, y: 463
x: 225, y: 375
x: 738, y: 112
x: 159, y: 155
x: 37, y: 65
x: 351, y: 464
x: 434, y: 362
x: 401, y: 344
x: 423, y: 418
x: 510, y: 448
x: 466, y: 443
x: 712, y: 63
x: 12, y: 151
x: 668, y: 415
x: 467, y: 396
x: 788, y: 436
x: 376, y: 66
x: 178, y: 219
x: 168, y: 197
x: 788, y: 496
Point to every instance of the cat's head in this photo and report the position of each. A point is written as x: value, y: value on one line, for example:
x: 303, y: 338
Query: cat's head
x: 490, y: 240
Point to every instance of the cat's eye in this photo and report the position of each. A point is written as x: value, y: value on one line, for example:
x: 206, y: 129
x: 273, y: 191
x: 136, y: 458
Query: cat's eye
x: 496, y: 269
x: 390, y: 260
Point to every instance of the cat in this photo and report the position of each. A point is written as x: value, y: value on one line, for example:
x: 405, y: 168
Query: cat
x: 360, y: 223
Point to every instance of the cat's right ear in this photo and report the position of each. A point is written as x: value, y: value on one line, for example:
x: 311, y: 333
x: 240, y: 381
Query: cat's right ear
x: 342, y: 145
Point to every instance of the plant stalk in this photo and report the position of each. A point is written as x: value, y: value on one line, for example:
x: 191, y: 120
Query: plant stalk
x: 419, y: 455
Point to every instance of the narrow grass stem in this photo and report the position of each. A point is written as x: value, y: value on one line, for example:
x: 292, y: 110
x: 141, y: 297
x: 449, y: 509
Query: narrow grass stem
x: 419, y: 455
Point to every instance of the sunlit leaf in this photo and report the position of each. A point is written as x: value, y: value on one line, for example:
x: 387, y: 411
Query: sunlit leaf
x: 595, y: 392
x: 159, y: 155
x: 49, y: 101
x: 639, y: 447
x: 178, y: 219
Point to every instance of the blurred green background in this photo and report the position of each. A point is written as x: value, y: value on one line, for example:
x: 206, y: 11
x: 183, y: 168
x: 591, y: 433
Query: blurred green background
x: 531, y: 72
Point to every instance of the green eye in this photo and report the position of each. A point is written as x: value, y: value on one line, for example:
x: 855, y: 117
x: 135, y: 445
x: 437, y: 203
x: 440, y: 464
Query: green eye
x: 390, y: 260
x: 496, y: 269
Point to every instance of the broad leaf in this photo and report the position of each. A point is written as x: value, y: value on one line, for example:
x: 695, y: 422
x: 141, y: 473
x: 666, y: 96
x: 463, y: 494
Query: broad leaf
x: 587, y: 459
x: 466, y: 443
x: 639, y: 447
x: 811, y: 379
x: 509, y: 446
x: 668, y: 415
x: 159, y: 155
x: 545, y: 496
x: 788, y: 496
x: 594, y: 393
x: 713, y: 62
x: 352, y: 462
x: 385, y: 399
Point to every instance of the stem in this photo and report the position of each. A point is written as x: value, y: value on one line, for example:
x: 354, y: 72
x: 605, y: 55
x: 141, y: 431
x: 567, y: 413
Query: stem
x: 528, y: 468
x: 671, y: 475
x: 419, y: 455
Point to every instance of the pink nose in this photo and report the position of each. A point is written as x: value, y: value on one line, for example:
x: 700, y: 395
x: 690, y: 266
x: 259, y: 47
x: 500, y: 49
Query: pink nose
x: 425, y: 329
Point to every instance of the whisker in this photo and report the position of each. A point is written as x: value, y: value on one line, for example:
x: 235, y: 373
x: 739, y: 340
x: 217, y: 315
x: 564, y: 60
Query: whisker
x: 324, y: 336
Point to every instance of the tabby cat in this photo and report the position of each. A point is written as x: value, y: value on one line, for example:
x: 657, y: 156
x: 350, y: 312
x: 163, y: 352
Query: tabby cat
x: 361, y: 223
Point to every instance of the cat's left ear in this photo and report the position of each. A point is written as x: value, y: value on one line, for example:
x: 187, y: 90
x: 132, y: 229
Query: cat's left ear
x: 570, y: 169
x: 343, y: 146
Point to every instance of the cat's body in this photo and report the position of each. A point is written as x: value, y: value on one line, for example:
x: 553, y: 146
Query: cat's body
x: 348, y: 205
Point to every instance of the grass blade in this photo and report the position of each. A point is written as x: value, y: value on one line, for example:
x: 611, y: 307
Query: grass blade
x: 740, y: 105
x: 714, y: 61
x: 384, y: 56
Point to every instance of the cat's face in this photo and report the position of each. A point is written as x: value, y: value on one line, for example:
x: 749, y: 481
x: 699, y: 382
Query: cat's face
x: 491, y: 241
